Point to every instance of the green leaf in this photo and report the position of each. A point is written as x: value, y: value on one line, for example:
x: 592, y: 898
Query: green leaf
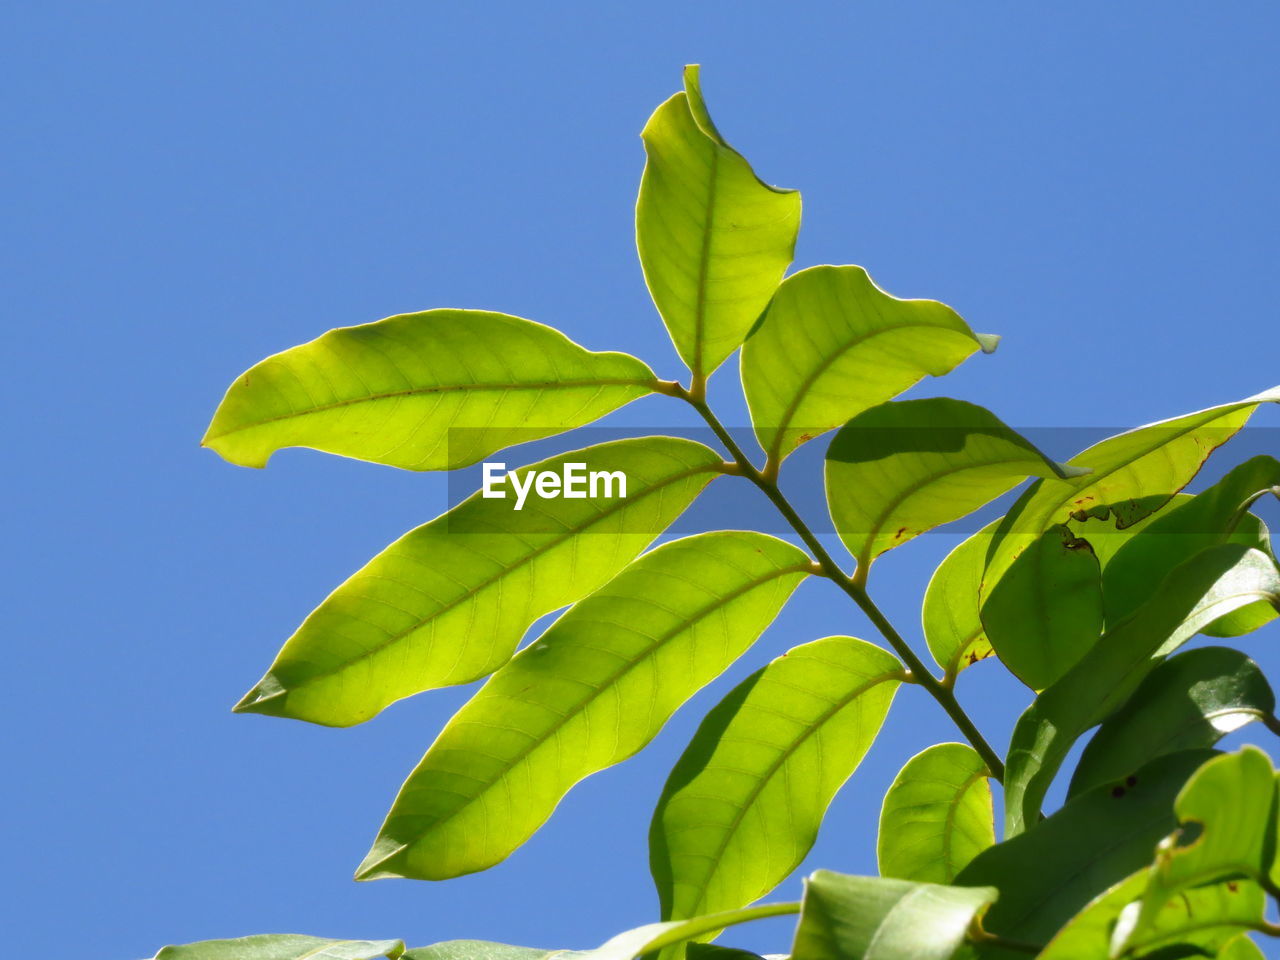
x: 937, y: 815
x: 447, y: 602
x: 714, y: 240
x: 592, y: 691
x: 1216, y: 582
x: 950, y: 616
x: 284, y: 946
x: 900, y: 469
x: 1133, y: 474
x: 485, y: 950
x: 1205, y: 921
x: 1190, y: 701
x: 1046, y: 611
x: 743, y: 805
x: 1056, y: 867
x: 1227, y: 828
x: 710, y: 951
x: 654, y: 936
x: 1218, y: 515
x: 422, y: 391
x: 873, y: 918
x: 833, y: 344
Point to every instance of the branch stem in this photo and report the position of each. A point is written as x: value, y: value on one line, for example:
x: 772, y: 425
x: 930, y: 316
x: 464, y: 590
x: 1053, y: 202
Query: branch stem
x: 856, y: 590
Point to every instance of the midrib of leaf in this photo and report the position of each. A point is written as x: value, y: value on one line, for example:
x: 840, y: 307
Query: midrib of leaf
x: 557, y: 540
x: 608, y: 682
x: 807, y: 382
x: 700, y: 305
x: 902, y: 903
x: 441, y: 388
x: 877, y: 524
x: 773, y: 768
x: 948, y: 822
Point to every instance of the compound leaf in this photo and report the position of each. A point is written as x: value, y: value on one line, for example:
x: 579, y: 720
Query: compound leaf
x: 714, y: 240
x: 833, y: 344
x: 1131, y: 476
x: 900, y: 469
x: 284, y: 946
x: 743, y: 804
x: 1192, y: 700
x: 592, y: 691
x: 447, y: 602
x: 1212, y: 584
x: 874, y: 918
x: 422, y: 391
x: 1057, y: 866
x: 936, y: 816
x: 1046, y: 611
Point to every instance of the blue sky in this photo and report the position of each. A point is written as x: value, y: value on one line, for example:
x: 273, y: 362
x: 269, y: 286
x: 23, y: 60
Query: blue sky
x: 190, y: 187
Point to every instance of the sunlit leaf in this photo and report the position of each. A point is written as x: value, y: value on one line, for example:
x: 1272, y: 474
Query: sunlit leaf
x: 937, y: 816
x: 654, y: 936
x: 743, y: 805
x: 900, y: 469
x: 423, y: 391
x: 484, y: 950
x: 950, y: 615
x: 1189, y: 701
x: 1133, y: 474
x: 447, y: 602
x: 714, y: 240
x: 284, y: 946
x: 1046, y: 611
x: 592, y: 691
x: 874, y: 918
x: 1214, y: 583
x: 1058, y: 865
x: 833, y: 344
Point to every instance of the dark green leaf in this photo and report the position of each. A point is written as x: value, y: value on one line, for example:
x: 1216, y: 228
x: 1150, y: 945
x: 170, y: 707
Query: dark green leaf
x: 422, y: 391
x: 743, y: 805
x: 284, y: 946
x: 937, y: 815
x: 900, y: 469
x: 1058, y: 865
x: 1216, y: 582
x: 592, y: 691
x: 873, y: 918
x: 833, y: 344
x: 1046, y: 611
x: 714, y: 240
x: 447, y: 602
x: 1190, y: 701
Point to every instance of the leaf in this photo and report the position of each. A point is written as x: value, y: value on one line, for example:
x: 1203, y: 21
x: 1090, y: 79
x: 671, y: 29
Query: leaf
x: 744, y: 802
x: 423, y: 391
x: 1227, y: 828
x: 1235, y: 906
x: 1051, y: 871
x: 1219, y: 580
x: 484, y: 950
x: 832, y: 344
x: 950, y: 617
x: 592, y: 691
x: 1218, y: 515
x: 447, y: 602
x: 710, y: 951
x: 1189, y: 701
x: 284, y: 946
x: 654, y: 936
x: 1133, y: 474
x: 900, y: 469
x: 937, y: 815
x: 1046, y: 611
x: 873, y: 918
x: 714, y: 240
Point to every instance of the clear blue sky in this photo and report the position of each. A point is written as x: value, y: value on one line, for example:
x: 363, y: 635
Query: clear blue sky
x: 190, y: 187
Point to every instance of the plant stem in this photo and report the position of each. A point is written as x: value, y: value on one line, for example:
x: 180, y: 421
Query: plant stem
x: 851, y: 586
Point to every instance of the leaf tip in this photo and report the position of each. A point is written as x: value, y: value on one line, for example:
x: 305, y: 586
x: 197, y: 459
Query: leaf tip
x: 267, y: 697
x: 988, y: 341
